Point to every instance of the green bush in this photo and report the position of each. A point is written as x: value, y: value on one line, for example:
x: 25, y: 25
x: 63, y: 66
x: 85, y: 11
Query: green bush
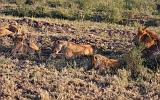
x: 41, y: 12
x: 54, y: 4
x: 29, y: 11
x: 101, y: 10
x: 13, y: 12
x: 8, y: 1
x: 107, y: 13
x: 145, y: 6
x: 135, y: 61
x: 30, y: 2
x: 57, y: 14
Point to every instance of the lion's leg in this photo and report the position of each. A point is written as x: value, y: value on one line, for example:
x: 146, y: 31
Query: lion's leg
x: 38, y: 53
x: 67, y: 57
x: 68, y: 54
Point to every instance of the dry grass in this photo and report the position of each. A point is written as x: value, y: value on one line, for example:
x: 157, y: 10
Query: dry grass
x: 42, y: 82
x: 64, y: 80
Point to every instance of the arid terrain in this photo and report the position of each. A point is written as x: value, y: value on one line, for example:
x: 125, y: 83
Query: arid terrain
x: 49, y: 79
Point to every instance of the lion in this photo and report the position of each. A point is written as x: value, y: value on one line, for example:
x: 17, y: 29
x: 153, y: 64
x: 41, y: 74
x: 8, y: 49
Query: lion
x: 19, y: 45
x: 100, y: 61
x: 146, y: 36
x: 31, y: 43
x: 70, y: 49
x: 4, y: 32
x: 24, y: 45
x: 14, y: 28
x: 9, y: 30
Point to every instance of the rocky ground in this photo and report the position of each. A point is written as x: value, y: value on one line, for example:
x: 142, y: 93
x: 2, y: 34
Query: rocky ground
x: 29, y: 78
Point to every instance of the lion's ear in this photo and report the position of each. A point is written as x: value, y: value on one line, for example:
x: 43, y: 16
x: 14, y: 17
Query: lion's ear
x: 95, y: 57
x: 145, y: 28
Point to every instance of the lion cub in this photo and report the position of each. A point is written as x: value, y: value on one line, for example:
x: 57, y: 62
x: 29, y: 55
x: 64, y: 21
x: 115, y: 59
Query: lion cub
x: 99, y: 61
x: 70, y: 49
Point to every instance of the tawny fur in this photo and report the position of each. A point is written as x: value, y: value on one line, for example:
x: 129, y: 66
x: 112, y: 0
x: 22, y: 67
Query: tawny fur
x: 31, y: 43
x: 19, y: 45
x: 146, y: 36
x: 100, y: 61
x: 9, y: 30
x: 4, y: 32
x: 20, y: 48
x: 23, y: 44
x: 13, y: 28
x: 33, y: 46
x: 70, y: 49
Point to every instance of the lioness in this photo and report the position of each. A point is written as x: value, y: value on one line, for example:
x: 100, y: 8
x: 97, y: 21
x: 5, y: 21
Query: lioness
x: 31, y: 43
x: 24, y: 44
x: 146, y: 36
x: 14, y: 28
x: 4, y: 32
x: 99, y: 61
x: 70, y: 49
x: 9, y: 30
x: 19, y: 45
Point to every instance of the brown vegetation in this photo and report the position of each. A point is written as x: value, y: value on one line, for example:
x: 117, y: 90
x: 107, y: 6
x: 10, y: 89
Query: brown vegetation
x: 68, y: 79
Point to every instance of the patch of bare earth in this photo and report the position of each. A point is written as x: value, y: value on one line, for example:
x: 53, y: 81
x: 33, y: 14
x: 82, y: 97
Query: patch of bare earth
x: 29, y: 79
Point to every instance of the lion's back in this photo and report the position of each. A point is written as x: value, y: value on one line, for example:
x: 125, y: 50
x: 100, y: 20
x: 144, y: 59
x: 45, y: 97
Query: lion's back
x: 102, y: 61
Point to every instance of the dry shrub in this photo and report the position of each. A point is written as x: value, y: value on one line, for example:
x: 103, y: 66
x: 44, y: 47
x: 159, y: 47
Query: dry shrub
x: 135, y: 61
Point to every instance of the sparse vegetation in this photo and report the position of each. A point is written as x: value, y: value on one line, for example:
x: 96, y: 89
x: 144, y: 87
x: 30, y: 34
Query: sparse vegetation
x: 113, y: 11
x: 135, y: 61
x: 91, y: 22
x: 58, y: 78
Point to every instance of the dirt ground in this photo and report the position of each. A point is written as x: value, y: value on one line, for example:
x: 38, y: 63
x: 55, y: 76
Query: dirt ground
x: 32, y: 79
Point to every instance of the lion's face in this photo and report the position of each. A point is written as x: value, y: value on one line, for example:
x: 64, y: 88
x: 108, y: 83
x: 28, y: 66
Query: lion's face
x: 95, y: 61
x: 143, y: 37
x: 23, y: 44
x: 59, y: 45
x: 18, y: 39
x: 99, y: 61
x: 13, y: 28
